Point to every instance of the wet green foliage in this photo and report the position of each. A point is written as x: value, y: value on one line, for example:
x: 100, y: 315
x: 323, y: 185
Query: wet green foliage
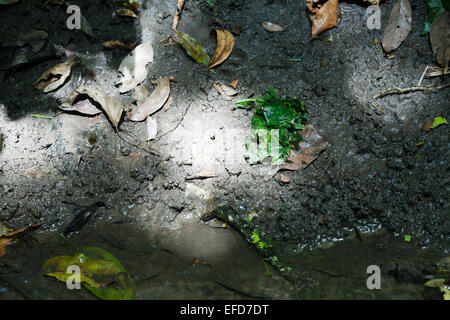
x: 285, y: 114
x: 434, y: 8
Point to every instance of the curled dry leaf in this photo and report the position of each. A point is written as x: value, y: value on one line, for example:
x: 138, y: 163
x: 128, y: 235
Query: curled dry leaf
x: 112, y: 107
x: 117, y: 44
x: 84, y: 106
x: 54, y: 77
x: 322, y: 16
x: 225, y: 43
x: 271, y: 27
x: 152, y: 128
x: 6, y: 238
x: 176, y: 18
x: 309, y: 149
x: 153, y: 103
x: 440, y: 39
x: 133, y: 67
x: 225, y: 91
x: 193, y: 48
x: 398, y: 26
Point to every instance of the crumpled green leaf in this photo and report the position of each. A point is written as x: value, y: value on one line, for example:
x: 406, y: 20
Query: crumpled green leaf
x: 193, y: 48
x: 285, y: 114
x: 101, y: 273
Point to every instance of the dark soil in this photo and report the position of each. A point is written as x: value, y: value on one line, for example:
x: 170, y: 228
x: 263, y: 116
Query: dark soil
x: 380, y: 172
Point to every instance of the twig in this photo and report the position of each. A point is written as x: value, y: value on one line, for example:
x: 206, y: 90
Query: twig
x: 149, y: 150
x: 174, y: 128
x: 371, y: 103
x: 421, y: 78
x: 397, y: 90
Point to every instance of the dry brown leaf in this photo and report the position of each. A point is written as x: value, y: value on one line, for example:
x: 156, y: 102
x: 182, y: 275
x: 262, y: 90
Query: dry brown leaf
x: 309, y: 149
x: 426, y: 125
x: 54, y: 77
x: 234, y: 83
x: 323, y: 16
x: 154, y: 102
x: 140, y: 94
x: 8, y: 237
x: 225, y: 91
x: 271, y: 27
x: 176, y: 18
x: 398, y: 26
x: 198, y: 261
x: 112, y: 107
x: 225, y: 43
x: 117, y: 44
x: 440, y: 39
x: 84, y: 106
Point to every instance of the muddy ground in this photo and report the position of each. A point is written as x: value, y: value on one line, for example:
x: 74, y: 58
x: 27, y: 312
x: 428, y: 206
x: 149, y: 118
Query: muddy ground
x: 375, y: 175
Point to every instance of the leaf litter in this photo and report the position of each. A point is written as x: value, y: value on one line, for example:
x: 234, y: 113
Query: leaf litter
x: 133, y: 67
x: 154, y: 102
x: 323, y: 16
x: 54, y: 77
x: 398, y: 26
x: 225, y: 43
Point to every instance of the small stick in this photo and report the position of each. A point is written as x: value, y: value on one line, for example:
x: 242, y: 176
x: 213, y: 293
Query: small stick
x: 149, y: 150
x: 421, y: 78
x: 393, y: 90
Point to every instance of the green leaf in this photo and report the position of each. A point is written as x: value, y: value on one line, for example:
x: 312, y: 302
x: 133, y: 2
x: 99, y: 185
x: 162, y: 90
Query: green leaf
x: 407, y: 237
x: 99, y: 269
x: 434, y: 8
x: 281, y: 118
x: 193, y: 48
x: 438, y: 121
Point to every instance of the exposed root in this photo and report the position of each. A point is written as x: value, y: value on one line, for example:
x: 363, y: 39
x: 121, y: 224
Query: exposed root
x: 397, y: 90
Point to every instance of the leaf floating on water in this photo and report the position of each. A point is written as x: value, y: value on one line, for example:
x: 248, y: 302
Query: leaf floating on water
x: 153, y: 103
x: 112, y: 107
x: 271, y: 27
x: 398, y: 26
x: 54, y: 77
x: 193, y: 48
x: 322, y: 16
x: 117, y: 44
x: 133, y: 67
x: 100, y: 272
x: 225, y: 43
x: 440, y: 39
